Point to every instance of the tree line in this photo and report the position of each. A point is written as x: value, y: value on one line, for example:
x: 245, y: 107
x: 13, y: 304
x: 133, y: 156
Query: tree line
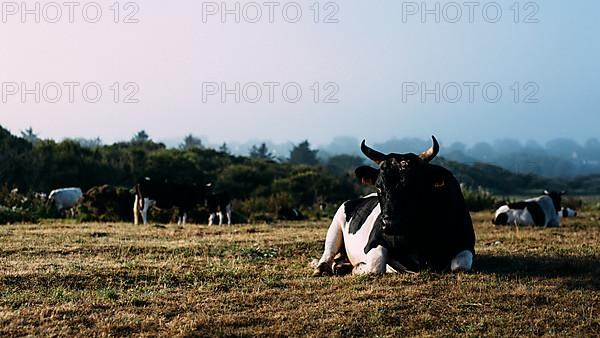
x: 260, y: 183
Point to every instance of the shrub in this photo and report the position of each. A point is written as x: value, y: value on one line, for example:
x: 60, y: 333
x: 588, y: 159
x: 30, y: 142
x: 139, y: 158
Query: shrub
x: 15, y: 215
x: 106, y: 204
x: 478, y: 199
x: 31, y: 206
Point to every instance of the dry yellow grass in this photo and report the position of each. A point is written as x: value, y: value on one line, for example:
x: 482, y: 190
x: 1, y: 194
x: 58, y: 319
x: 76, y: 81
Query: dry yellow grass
x: 120, y: 279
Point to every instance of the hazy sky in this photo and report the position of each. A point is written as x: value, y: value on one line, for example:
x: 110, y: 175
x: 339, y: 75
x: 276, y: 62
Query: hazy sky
x: 375, y: 59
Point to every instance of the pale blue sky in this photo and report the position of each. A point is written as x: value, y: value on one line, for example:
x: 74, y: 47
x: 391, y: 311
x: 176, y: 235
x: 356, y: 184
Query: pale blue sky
x: 370, y: 53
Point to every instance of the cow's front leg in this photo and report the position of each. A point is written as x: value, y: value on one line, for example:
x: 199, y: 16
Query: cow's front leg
x: 333, y: 244
x: 211, y: 219
x: 145, y: 210
x: 221, y: 215
x: 136, y: 211
x: 228, y: 211
x: 375, y: 262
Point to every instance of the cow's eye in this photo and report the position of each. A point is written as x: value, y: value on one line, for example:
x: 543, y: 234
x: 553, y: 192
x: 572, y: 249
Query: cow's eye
x: 378, y: 189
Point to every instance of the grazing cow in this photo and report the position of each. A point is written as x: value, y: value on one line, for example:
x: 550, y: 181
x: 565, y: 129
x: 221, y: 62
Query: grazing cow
x: 567, y: 212
x: 165, y: 195
x: 417, y: 219
x: 65, y: 198
x: 539, y: 211
x: 218, y: 203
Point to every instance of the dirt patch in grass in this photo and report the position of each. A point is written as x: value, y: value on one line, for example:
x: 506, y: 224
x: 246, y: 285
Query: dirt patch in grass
x: 120, y: 279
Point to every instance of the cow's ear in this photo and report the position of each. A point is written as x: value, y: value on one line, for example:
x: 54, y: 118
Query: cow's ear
x: 366, y: 174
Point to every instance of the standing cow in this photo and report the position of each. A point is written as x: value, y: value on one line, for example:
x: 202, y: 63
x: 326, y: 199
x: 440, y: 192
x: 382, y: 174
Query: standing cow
x: 417, y: 219
x: 218, y: 204
x: 165, y: 195
x: 65, y: 198
x: 540, y: 211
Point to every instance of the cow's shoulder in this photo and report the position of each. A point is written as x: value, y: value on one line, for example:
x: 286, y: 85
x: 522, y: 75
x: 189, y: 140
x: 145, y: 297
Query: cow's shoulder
x: 358, y: 210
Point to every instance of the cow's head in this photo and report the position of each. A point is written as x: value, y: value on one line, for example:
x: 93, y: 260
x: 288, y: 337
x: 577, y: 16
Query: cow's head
x: 50, y: 199
x: 556, y: 198
x: 400, y: 181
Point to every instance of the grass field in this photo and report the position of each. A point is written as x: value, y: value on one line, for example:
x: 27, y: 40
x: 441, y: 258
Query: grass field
x: 120, y: 279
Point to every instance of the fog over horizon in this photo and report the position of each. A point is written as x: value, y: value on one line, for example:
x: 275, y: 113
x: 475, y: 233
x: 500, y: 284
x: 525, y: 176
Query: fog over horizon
x: 341, y: 144
x: 558, y: 157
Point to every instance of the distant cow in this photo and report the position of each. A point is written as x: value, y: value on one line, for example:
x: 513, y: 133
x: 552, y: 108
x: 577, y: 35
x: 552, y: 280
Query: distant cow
x: 218, y: 203
x: 417, y: 219
x: 539, y: 211
x: 565, y: 212
x: 165, y: 195
x: 65, y: 198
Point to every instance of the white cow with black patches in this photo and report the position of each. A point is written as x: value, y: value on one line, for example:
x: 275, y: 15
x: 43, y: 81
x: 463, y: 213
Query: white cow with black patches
x: 566, y: 212
x: 543, y: 211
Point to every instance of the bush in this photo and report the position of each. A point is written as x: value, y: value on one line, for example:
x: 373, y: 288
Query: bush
x: 270, y: 204
x: 105, y: 204
x: 31, y: 206
x: 15, y: 215
x: 478, y: 199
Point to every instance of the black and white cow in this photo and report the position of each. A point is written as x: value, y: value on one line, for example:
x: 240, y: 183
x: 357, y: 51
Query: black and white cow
x: 539, y: 211
x: 165, y: 195
x: 65, y: 198
x: 417, y: 219
x: 218, y: 203
x: 566, y: 212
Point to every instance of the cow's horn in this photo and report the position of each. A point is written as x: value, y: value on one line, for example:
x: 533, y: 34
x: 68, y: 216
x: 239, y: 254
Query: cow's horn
x: 372, y: 154
x: 432, y: 152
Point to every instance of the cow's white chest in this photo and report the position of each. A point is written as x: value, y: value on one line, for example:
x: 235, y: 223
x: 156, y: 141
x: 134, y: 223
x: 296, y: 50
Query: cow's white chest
x: 355, y: 243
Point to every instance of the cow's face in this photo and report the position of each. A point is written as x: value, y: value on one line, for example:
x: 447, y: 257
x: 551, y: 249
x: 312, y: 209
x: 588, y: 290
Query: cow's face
x: 399, y: 181
x: 50, y: 200
x: 556, y: 198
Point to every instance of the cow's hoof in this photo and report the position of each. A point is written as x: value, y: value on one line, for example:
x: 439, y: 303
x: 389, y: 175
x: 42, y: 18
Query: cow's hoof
x: 322, y: 269
x: 340, y: 269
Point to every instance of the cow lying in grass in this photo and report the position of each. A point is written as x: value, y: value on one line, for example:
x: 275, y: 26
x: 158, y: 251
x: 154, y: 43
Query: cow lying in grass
x: 417, y: 219
x: 567, y: 212
x: 540, y: 211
